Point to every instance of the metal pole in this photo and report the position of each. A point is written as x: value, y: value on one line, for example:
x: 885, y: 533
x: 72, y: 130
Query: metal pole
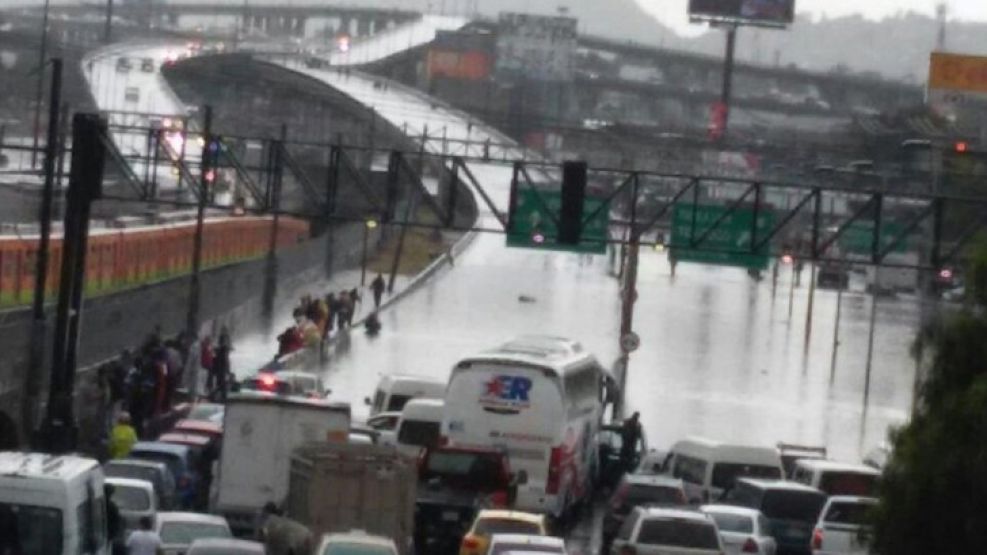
x: 108, y: 26
x: 39, y: 92
x: 808, y: 315
x: 363, y: 257
x: 791, y: 292
x: 271, y: 268
x: 727, y: 91
x: 58, y: 432
x: 836, y: 333
x: 870, y: 334
x: 192, y: 320
x: 56, y: 208
x: 36, y: 362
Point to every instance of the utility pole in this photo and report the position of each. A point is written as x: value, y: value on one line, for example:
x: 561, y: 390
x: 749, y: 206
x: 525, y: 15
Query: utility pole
x: 39, y: 92
x: 192, y: 320
x: 727, y: 91
x: 36, y: 362
x: 58, y: 432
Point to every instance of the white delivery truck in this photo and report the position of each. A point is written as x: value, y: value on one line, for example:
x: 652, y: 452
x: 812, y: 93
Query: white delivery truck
x: 260, y: 432
x: 52, y: 504
x: 339, y: 487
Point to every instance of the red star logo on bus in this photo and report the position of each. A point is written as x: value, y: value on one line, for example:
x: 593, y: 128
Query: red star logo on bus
x: 495, y: 388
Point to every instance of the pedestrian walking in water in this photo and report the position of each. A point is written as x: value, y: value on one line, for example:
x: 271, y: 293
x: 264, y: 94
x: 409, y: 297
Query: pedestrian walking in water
x: 354, y: 299
x: 630, y: 434
x: 221, y: 368
x: 345, y: 312
x: 377, y: 287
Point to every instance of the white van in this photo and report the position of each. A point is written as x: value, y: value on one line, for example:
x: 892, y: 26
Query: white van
x: 394, y: 390
x: 541, y: 399
x: 836, y: 478
x: 708, y: 467
x: 52, y: 504
x: 419, y: 426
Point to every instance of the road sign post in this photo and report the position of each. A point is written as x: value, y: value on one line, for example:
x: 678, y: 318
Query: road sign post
x: 712, y: 234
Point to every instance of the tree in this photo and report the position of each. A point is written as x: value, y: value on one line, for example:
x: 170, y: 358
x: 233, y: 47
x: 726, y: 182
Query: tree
x: 933, y: 493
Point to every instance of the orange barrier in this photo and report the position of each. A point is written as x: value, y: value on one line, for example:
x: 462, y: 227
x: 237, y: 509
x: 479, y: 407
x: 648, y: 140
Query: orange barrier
x: 118, y: 259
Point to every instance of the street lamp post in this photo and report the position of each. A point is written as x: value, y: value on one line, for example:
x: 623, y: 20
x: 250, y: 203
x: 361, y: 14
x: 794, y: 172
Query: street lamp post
x: 370, y: 224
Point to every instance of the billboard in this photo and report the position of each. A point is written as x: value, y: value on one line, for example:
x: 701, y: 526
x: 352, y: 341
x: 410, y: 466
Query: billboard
x: 536, y: 47
x: 958, y: 85
x: 764, y: 12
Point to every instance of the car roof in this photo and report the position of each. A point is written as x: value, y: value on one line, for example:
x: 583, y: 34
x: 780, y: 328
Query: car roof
x: 295, y: 374
x: 653, y: 480
x: 358, y: 536
x: 229, y: 543
x: 161, y: 447
x: 129, y: 483
x: 528, y: 539
x: 37, y: 465
x: 156, y: 465
x: 852, y: 499
x: 185, y: 438
x: 178, y: 516
x: 681, y: 514
x: 730, y: 509
x: 836, y: 466
x: 511, y: 515
x: 779, y: 485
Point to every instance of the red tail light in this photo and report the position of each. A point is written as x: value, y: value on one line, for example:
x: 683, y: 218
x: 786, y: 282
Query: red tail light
x: 554, y: 471
x: 499, y: 500
x: 750, y: 546
x: 471, y: 543
x: 817, y: 537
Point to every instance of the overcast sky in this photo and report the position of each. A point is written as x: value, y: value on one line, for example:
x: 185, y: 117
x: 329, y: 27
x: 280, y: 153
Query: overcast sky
x: 673, y: 12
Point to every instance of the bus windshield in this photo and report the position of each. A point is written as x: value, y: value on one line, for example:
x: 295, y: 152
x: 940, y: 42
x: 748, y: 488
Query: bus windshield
x: 29, y: 529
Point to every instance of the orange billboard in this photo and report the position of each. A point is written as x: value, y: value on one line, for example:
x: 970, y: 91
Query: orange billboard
x: 956, y: 72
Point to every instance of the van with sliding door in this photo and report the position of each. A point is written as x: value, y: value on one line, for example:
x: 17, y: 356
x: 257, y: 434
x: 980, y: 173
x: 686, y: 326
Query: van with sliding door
x: 52, y: 505
x: 708, y: 467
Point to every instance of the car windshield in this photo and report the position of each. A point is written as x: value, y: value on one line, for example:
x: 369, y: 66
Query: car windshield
x: 479, y: 471
x: 116, y: 470
x: 724, y: 474
x: 131, y: 499
x: 491, y: 526
x: 418, y: 432
x: 29, y: 529
x: 729, y: 522
x: 174, y: 462
x: 848, y: 483
x: 205, y: 412
x: 356, y: 549
x: 184, y: 533
x: 501, y: 548
x: 678, y: 533
x: 848, y: 513
x: 651, y: 495
x: 792, y: 505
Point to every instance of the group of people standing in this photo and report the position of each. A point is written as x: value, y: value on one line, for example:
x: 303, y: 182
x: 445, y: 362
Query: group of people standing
x: 317, y: 317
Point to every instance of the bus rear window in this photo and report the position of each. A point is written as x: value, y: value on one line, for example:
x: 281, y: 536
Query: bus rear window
x: 848, y: 513
x: 848, y: 483
x: 29, y: 529
x: 419, y: 432
x: 792, y: 505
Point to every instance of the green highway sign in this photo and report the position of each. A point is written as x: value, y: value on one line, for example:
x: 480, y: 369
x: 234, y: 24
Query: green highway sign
x: 534, y: 223
x: 858, y: 237
x: 727, y: 245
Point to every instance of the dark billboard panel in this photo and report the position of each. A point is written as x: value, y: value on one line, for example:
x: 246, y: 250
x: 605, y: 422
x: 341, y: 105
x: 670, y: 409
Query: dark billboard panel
x: 769, y: 12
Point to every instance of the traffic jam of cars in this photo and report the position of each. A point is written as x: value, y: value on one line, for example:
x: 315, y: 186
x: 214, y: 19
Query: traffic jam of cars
x: 511, y: 455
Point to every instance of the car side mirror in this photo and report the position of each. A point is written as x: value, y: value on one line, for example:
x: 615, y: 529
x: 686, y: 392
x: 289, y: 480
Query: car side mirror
x: 366, y: 401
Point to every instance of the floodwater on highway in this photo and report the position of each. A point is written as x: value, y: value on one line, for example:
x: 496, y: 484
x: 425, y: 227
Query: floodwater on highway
x: 720, y: 355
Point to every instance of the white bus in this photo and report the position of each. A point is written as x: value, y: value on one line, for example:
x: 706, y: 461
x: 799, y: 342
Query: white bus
x: 541, y: 399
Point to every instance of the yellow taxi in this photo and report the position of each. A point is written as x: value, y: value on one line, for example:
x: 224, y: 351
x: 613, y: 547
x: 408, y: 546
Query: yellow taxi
x: 489, y: 522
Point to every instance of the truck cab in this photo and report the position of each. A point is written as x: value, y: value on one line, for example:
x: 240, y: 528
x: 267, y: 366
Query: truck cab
x: 52, y: 504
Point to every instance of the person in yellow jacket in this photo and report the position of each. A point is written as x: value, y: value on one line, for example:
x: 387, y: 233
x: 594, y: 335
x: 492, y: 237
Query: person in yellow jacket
x: 122, y: 437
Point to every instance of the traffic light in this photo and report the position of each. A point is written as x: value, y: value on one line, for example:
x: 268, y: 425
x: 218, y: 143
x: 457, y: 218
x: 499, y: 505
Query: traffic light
x: 573, y: 198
